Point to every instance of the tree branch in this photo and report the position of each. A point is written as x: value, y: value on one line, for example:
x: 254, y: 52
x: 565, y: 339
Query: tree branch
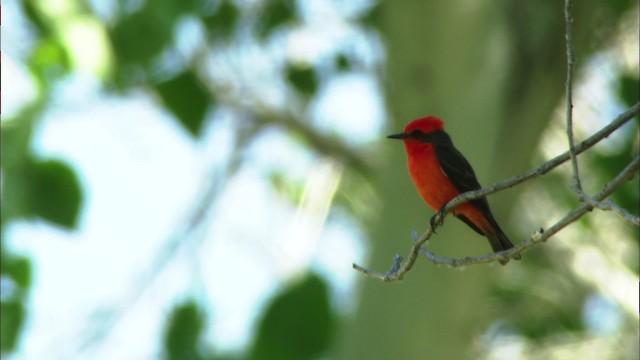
x: 577, y: 185
x: 548, y: 165
x: 569, y: 94
x: 609, y: 205
x: 541, y: 235
x: 399, y: 269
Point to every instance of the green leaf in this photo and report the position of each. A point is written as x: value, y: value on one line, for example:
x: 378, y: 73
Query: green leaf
x: 609, y: 165
x: 49, y: 61
x: 188, y: 99
x: 17, y: 268
x: 630, y: 89
x: 303, y: 79
x: 172, y: 9
x: 16, y: 162
x: 297, y: 325
x: 275, y: 14
x: 223, y: 21
x: 618, y: 7
x: 12, y: 310
x: 56, y: 195
x: 140, y: 37
x: 184, y: 331
x: 12, y: 315
x: 34, y: 15
x: 373, y: 17
x: 285, y: 186
x: 343, y: 63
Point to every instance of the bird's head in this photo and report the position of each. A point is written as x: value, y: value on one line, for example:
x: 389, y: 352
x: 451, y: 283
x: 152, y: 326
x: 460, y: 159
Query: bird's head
x: 418, y: 130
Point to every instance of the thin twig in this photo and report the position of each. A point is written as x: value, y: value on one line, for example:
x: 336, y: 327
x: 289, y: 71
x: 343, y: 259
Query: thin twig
x: 388, y: 276
x: 501, y: 185
x: 626, y: 175
x: 569, y: 94
x: 577, y: 185
x: 609, y: 205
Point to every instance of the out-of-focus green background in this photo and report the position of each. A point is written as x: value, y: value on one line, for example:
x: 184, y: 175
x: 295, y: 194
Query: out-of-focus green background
x: 192, y: 179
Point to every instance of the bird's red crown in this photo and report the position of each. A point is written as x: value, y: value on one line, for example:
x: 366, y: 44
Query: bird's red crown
x: 426, y: 125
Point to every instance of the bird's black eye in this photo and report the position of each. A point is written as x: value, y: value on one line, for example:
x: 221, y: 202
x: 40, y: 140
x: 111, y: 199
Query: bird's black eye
x: 415, y: 133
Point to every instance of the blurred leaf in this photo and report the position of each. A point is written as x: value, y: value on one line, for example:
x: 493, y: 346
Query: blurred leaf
x: 545, y: 317
x: 303, y: 79
x: 373, y: 17
x: 16, y: 136
x: 55, y: 192
x: 11, y: 320
x: 223, y: 21
x: 618, y: 6
x: 561, y: 321
x: 285, y: 186
x: 184, y: 331
x: 275, y: 14
x: 297, y: 325
x: 34, y: 15
x: 49, y: 61
x: 16, y: 158
x: 629, y: 89
x: 609, y: 165
x: 225, y: 357
x: 12, y: 310
x: 343, y: 63
x: 171, y: 9
x: 188, y: 99
x: 508, y: 295
x: 17, y: 268
x: 141, y: 36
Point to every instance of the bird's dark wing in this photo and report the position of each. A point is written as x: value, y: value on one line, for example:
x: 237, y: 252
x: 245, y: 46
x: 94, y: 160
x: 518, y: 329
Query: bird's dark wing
x: 456, y: 167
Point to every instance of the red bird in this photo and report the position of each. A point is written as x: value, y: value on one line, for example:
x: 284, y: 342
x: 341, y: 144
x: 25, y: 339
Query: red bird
x: 440, y: 173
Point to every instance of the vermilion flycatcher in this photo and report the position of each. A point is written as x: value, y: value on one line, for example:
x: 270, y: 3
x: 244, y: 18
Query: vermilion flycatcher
x: 440, y: 173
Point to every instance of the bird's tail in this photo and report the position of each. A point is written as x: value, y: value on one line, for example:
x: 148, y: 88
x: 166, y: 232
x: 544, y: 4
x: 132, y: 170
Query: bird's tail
x: 500, y: 242
x: 485, y: 224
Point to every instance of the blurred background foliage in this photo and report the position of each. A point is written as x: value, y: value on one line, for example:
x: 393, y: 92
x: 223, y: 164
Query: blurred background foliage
x: 494, y: 71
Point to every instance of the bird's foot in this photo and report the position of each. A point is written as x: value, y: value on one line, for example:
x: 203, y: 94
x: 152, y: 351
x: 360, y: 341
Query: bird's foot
x: 437, y: 219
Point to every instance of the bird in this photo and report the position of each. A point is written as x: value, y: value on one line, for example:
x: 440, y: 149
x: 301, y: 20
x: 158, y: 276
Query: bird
x: 440, y: 173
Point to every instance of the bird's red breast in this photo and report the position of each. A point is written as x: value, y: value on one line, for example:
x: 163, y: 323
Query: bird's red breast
x: 433, y: 185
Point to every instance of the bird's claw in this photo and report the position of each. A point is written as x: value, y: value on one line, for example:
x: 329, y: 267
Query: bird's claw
x: 437, y: 219
x: 432, y: 222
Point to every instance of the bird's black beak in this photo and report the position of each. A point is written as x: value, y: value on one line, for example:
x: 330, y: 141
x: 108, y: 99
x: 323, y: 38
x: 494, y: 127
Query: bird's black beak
x: 400, y: 136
